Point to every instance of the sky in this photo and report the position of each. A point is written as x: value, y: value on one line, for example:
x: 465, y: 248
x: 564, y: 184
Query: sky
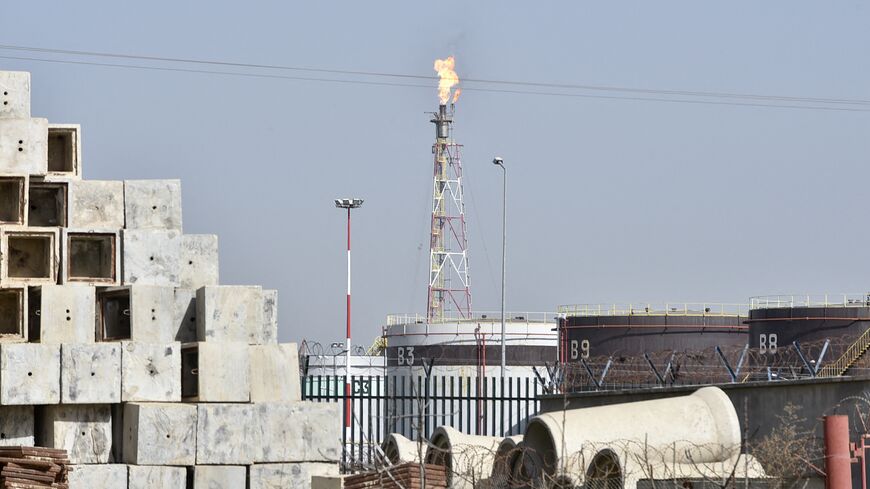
x: 609, y: 199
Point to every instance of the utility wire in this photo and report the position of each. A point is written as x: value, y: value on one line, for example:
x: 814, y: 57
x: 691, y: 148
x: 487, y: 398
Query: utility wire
x: 781, y: 98
x: 475, y: 89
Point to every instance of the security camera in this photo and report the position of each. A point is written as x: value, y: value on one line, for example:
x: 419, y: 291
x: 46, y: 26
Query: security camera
x: 497, y: 161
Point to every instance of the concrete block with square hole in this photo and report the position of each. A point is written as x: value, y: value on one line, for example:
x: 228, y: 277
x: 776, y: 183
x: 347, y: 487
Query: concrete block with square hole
x: 141, y: 313
x: 152, y: 257
x: 84, y: 431
x: 96, y: 204
x: 24, y: 146
x: 152, y: 204
x: 215, y: 372
x: 90, y: 257
x: 296, y: 432
x: 64, y: 151
x: 13, y: 199
x: 295, y: 475
x: 47, y: 203
x: 14, y: 95
x: 185, y: 315
x: 98, y: 476
x: 13, y: 315
x: 90, y: 374
x: 150, y: 372
x: 155, y: 476
x: 17, y: 426
x: 230, y: 313
x: 225, y: 434
x: 218, y: 476
x: 275, y: 373
x: 159, y: 433
x: 199, y: 260
x: 28, y: 256
x: 29, y: 374
x: 61, y: 314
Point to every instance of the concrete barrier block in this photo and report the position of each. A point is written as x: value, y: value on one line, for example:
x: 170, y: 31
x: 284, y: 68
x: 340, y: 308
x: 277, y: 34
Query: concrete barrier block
x: 199, y: 260
x: 29, y: 256
x: 152, y: 477
x: 142, y: 313
x: 275, y: 373
x: 96, y: 204
x: 16, y: 426
x: 150, y: 372
x: 215, y: 372
x: 47, y: 204
x: 90, y: 374
x: 100, y: 476
x: 297, y: 432
x: 84, y: 431
x: 14, y: 95
x: 270, y: 317
x: 91, y: 257
x: 185, y: 315
x: 219, y: 477
x: 64, y: 151
x: 14, y: 199
x: 24, y: 146
x: 152, y: 204
x: 29, y: 374
x: 229, y: 313
x: 225, y: 434
x: 152, y: 257
x: 159, y: 434
x: 280, y: 476
x: 64, y: 314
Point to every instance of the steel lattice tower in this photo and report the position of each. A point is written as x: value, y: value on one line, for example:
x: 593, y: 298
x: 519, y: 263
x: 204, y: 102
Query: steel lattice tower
x: 449, y: 284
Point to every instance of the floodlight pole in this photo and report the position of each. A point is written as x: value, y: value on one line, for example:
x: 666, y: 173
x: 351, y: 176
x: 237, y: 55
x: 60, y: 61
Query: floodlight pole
x: 347, y: 204
x: 499, y: 162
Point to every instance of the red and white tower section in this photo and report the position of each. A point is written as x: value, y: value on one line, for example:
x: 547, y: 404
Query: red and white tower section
x: 449, y: 283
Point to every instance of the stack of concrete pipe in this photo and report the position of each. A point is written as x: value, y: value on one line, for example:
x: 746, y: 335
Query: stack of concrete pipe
x: 112, y: 321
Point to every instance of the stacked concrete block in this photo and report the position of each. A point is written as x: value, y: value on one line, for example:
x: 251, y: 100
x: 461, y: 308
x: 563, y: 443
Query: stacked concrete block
x: 119, y: 344
x: 160, y: 434
x: 150, y: 372
x: 102, y: 476
x: 29, y: 374
x: 84, y: 431
x: 90, y: 373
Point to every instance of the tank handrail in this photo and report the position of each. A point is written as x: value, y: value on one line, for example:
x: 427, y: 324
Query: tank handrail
x: 475, y: 317
x: 853, y: 299
x: 716, y: 309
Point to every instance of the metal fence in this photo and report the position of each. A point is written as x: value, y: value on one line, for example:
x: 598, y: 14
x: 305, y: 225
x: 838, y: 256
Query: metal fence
x: 415, y: 405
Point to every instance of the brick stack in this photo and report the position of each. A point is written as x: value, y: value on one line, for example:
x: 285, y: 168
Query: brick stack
x: 117, y: 342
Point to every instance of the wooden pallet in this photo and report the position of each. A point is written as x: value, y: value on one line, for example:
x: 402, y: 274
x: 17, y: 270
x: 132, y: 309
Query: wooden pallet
x: 33, y: 468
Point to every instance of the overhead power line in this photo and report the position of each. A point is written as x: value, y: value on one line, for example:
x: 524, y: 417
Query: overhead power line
x: 565, y: 90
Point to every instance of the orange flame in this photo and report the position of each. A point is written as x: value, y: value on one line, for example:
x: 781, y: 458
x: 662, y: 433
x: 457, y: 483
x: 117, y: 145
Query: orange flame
x: 448, y: 79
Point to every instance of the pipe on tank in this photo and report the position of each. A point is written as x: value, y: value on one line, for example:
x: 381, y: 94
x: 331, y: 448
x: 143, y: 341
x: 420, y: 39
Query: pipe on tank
x: 468, y: 459
x: 701, y: 428
x: 399, y: 449
x: 838, y: 460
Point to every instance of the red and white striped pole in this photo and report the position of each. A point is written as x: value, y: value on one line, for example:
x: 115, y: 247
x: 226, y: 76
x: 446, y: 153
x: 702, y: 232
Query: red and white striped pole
x: 347, y: 204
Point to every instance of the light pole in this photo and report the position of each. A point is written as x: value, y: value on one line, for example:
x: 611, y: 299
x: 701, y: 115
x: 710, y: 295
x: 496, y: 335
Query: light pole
x: 348, y: 204
x: 500, y: 162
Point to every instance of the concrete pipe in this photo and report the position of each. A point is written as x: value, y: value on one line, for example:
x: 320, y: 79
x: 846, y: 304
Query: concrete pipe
x: 696, y: 429
x: 468, y: 459
x: 399, y: 450
x: 505, y: 456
